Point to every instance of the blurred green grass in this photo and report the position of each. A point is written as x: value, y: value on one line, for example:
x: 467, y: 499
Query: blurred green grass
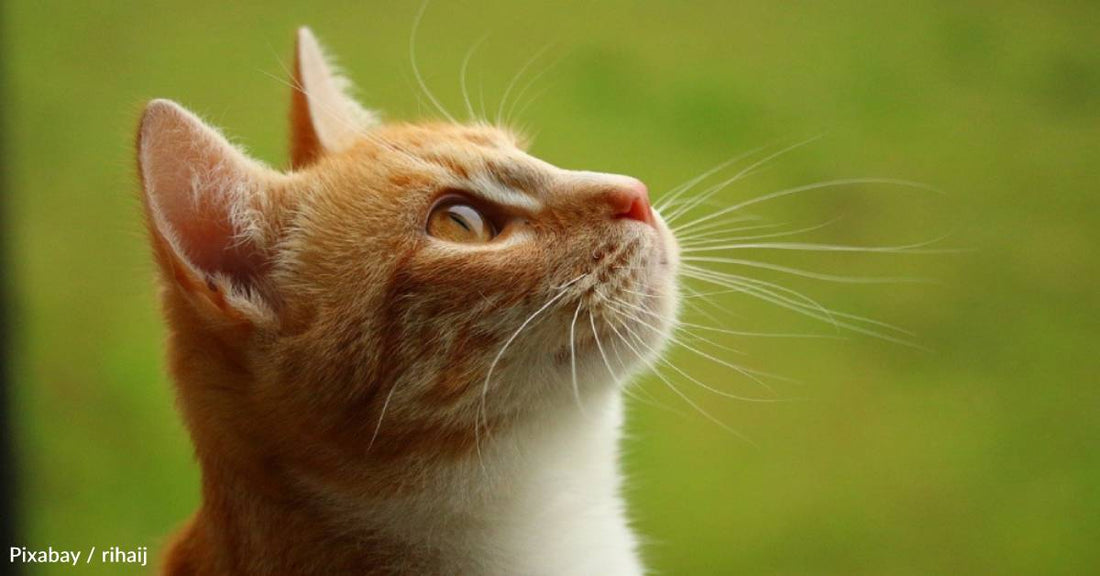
x: 976, y: 458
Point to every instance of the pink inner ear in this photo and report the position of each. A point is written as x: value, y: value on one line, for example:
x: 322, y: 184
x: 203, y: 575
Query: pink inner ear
x: 209, y: 242
x: 194, y: 182
x: 323, y: 117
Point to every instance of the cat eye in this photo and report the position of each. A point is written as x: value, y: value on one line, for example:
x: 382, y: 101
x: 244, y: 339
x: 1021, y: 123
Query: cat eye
x: 456, y: 221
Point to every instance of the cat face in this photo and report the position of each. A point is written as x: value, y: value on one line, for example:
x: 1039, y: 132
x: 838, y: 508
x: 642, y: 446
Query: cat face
x: 407, y: 289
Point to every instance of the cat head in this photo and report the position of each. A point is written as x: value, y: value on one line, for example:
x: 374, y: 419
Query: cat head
x: 401, y: 289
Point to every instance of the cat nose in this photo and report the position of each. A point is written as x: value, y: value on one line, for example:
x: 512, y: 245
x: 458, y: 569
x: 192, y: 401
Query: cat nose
x: 631, y: 200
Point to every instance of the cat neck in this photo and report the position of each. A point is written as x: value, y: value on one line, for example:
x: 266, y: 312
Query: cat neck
x: 542, y: 499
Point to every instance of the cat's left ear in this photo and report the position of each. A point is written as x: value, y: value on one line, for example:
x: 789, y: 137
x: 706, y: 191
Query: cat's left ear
x: 323, y: 117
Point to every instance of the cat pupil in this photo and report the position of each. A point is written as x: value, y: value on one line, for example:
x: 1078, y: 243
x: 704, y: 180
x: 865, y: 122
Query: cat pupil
x: 460, y: 221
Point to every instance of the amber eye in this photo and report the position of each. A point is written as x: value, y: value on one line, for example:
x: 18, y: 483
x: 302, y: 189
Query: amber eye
x: 457, y: 222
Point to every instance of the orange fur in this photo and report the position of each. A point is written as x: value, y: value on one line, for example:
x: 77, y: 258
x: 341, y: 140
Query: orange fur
x: 328, y: 351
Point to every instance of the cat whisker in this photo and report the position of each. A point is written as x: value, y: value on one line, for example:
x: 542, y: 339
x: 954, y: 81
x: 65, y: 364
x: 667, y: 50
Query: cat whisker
x: 679, y: 328
x: 500, y: 354
x: 512, y: 120
x: 656, y: 290
x: 673, y: 195
x: 804, y: 188
x: 573, y: 356
x: 381, y: 415
x: 759, y: 334
x: 599, y: 346
x: 749, y: 373
x: 623, y: 384
x: 809, y: 273
x: 740, y: 369
x: 745, y: 172
x: 689, y: 246
x: 462, y: 78
x: 512, y: 84
x: 416, y: 67
x: 720, y: 226
x: 683, y: 396
x: 691, y: 303
x: 916, y: 248
x: 715, y: 235
x: 766, y: 291
x: 481, y: 97
x: 570, y: 282
x: 512, y: 113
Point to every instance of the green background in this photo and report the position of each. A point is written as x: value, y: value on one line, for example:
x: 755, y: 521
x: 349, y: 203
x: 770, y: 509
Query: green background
x: 978, y: 457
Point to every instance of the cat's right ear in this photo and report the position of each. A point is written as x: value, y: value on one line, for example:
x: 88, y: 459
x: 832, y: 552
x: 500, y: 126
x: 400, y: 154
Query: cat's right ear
x: 211, y: 213
x: 323, y: 117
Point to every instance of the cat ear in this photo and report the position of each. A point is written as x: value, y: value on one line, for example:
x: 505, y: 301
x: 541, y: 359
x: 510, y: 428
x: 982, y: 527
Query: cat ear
x: 323, y: 118
x: 208, y: 208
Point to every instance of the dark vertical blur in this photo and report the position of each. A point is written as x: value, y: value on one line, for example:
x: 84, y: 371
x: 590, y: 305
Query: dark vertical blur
x: 7, y: 456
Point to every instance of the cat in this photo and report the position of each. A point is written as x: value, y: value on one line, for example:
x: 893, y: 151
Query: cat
x: 392, y: 358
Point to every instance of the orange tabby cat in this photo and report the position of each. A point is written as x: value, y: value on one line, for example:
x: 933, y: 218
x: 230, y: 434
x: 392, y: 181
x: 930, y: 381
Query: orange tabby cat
x: 392, y: 358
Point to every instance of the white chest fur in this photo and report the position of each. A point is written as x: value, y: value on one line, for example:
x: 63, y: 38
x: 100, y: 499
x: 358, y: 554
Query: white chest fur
x: 543, y: 501
x: 566, y: 516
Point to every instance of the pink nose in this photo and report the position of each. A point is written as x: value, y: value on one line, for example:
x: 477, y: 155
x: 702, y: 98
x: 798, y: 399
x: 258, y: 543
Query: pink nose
x: 631, y: 201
